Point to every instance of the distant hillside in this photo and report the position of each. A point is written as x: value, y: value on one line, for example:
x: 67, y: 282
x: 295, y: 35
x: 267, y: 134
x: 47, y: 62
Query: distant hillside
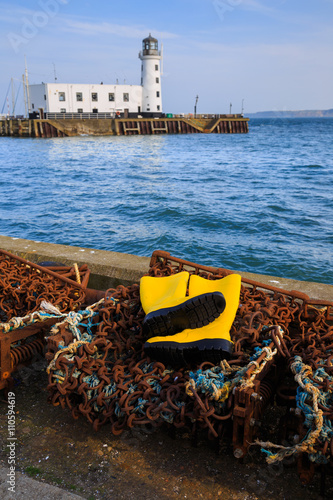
x: 327, y: 113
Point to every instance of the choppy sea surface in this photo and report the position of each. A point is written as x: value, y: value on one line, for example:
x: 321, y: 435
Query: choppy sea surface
x: 260, y: 202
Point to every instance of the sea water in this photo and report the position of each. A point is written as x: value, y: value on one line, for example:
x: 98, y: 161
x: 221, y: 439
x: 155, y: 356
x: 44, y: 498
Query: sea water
x: 259, y: 202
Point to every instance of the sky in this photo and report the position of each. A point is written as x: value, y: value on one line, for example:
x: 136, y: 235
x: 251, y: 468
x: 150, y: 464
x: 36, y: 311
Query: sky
x: 263, y: 55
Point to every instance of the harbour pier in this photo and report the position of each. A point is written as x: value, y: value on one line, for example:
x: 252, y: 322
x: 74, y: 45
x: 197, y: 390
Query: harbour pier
x: 74, y: 124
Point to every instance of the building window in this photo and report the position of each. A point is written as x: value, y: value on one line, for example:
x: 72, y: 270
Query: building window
x: 111, y: 96
x: 62, y: 110
x: 95, y: 110
x: 141, y: 67
x: 156, y: 67
x: 62, y: 96
x: 94, y: 96
x: 158, y: 108
x: 79, y: 96
x: 80, y: 110
x: 126, y: 97
x: 158, y: 93
x: 33, y: 106
x: 141, y: 81
x: 157, y: 80
x: 44, y: 97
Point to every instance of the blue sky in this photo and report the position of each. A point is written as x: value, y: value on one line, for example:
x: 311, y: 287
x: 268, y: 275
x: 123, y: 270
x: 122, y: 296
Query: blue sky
x: 274, y: 54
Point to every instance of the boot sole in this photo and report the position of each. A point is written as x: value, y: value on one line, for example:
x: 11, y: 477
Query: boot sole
x: 174, y: 353
x: 193, y: 313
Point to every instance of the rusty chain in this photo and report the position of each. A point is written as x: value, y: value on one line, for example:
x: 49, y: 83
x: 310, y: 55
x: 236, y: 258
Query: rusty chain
x: 23, y: 288
x: 111, y: 380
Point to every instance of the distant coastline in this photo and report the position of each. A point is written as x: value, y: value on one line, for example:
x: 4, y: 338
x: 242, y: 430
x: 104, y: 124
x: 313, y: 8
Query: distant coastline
x: 327, y: 113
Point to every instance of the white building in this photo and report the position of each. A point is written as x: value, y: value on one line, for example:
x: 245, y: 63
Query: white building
x: 118, y: 100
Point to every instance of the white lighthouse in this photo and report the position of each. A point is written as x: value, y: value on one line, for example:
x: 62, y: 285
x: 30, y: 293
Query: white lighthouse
x: 151, y: 77
x: 105, y: 100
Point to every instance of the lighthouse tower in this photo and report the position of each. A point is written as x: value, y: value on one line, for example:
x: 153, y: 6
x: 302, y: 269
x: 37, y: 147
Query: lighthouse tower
x: 151, y: 77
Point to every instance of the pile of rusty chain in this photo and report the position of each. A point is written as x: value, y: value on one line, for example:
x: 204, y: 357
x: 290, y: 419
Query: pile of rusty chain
x: 111, y: 380
x: 23, y: 287
x: 25, y: 290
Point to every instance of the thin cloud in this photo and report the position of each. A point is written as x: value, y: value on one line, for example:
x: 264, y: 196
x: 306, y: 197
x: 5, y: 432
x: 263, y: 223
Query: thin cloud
x: 254, y: 51
x: 249, y: 5
x: 279, y: 12
x: 93, y: 29
x: 256, y: 6
x: 14, y: 16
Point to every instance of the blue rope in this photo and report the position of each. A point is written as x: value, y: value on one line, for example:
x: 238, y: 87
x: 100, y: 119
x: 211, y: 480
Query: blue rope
x: 305, y: 402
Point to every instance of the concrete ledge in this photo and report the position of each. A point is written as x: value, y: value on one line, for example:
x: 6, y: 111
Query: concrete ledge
x: 317, y: 291
x: 110, y: 269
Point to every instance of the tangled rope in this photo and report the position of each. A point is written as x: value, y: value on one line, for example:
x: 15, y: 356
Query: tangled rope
x: 73, y: 320
x: 46, y: 311
x: 309, y: 396
x: 219, y: 381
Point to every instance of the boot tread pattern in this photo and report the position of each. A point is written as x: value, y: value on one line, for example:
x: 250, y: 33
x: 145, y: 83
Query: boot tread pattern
x: 194, y: 313
x: 185, y: 354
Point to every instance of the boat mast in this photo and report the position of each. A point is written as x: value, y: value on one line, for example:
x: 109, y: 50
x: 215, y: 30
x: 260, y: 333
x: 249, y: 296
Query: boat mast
x: 27, y: 84
x: 13, y: 96
x: 24, y: 96
x: 55, y: 73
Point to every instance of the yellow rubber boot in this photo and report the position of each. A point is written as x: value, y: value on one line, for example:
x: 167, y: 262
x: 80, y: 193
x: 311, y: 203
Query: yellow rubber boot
x: 198, y: 285
x: 168, y: 309
x: 208, y: 343
x: 156, y: 292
